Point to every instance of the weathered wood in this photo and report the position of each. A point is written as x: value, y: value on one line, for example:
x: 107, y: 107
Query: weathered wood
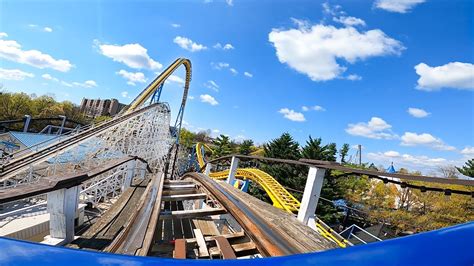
x: 225, y: 248
x: 178, y: 186
x: 241, y: 247
x: 179, y: 192
x: 302, y: 237
x: 202, y: 246
x: 179, y: 249
x: 212, y: 238
x: 192, y: 213
x: 184, y: 197
x: 207, y: 227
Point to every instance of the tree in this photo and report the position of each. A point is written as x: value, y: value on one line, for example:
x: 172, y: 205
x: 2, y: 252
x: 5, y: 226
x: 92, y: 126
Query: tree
x: 186, y: 138
x: 222, y: 146
x: 468, y: 168
x: 246, y: 147
x: 448, y: 171
x: 343, y: 152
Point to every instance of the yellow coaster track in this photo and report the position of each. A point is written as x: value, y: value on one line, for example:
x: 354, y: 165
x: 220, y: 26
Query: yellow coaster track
x: 280, y: 197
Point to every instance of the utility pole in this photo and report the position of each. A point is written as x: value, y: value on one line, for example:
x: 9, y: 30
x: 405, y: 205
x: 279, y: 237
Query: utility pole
x: 359, y: 148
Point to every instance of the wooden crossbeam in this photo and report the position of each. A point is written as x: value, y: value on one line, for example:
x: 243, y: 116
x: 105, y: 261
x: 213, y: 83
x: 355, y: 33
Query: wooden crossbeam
x: 179, y: 249
x: 178, y: 186
x: 192, y: 213
x: 179, y: 197
x: 212, y: 238
x: 202, y: 246
x: 225, y: 248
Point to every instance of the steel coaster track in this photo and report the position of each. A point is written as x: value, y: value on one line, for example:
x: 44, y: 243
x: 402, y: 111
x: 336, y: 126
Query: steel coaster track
x: 18, y: 164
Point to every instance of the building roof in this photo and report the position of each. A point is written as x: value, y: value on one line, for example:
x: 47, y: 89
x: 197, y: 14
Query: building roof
x: 31, y: 139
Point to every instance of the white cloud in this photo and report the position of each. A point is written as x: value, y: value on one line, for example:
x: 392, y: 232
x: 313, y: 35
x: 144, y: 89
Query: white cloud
x: 188, y: 44
x: 313, y: 108
x: 177, y: 79
x: 229, y: 2
x: 292, y: 115
x: 399, y: 6
x: 424, y: 139
x: 349, y: 21
x: 47, y: 29
x: 411, y: 162
x: 353, y: 77
x: 318, y: 50
x: 418, y: 113
x: 11, y: 50
x: 233, y: 71
x: 212, y: 85
x: 220, y: 65
x: 248, y: 74
x: 468, y: 150
x: 376, y: 128
x: 85, y: 84
x: 131, y: 77
x: 227, y: 46
x: 206, y: 98
x: 190, y: 97
x: 3, y: 34
x: 124, y: 94
x: 175, y: 25
x: 14, y: 74
x: 452, y: 75
x: 133, y: 55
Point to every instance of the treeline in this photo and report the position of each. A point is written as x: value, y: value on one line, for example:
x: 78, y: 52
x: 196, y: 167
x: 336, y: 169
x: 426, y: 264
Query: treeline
x: 349, y: 199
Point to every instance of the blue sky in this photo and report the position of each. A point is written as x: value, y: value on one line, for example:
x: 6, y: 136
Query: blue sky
x: 345, y: 71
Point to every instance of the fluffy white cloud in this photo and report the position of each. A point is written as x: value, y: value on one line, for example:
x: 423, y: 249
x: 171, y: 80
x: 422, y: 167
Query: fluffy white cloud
x: 188, y: 44
x: 220, y: 65
x: 212, y: 85
x: 418, y: 113
x: 468, y: 150
x: 85, y: 84
x: 349, y: 21
x: 248, y: 74
x: 47, y: 29
x: 314, y: 108
x: 3, y: 34
x: 353, y: 77
x: 131, y: 77
x: 412, y: 162
x: 227, y: 46
x: 376, y: 128
x: 292, y: 115
x: 175, y: 25
x: 133, y: 55
x: 452, y: 75
x: 11, y: 50
x: 233, y: 71
x: 206, y: 98
x: 124, y: 94
x: 176, y: 79
x: 14, y: 74
x: 317, y: 50
x: 399, y: 6
x: 424, y: 139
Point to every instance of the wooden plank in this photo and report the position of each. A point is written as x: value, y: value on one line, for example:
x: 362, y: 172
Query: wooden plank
x: 179, y: 249
x: 212, y: 238
x: 184, y: 197
x: 192, y: 213
x: 178, y: 186
x: 202, y: 247
x: 241, y: 247
x: 225, y: 248
x: 179, y: 192
x: 208, y: 227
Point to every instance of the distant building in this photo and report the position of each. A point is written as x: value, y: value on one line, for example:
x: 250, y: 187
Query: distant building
x: 98, y: 107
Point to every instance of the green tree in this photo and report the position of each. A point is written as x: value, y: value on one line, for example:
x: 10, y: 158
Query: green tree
x: 246, y: 147
x: 186, y: 138
x: 343, y: 152
x: 467, y: 169
x: 222, y: 146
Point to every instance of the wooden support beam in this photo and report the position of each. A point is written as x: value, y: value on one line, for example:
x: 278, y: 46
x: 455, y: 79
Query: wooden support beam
x: 212, y: 238
x: 202, y: 246
x: 192, y: 213
x: 184, y: 197
x: 225, y: 248
x: 179, y: 192
x: 179, y: 186
x: 179, y: 249
x: 241, y: 247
